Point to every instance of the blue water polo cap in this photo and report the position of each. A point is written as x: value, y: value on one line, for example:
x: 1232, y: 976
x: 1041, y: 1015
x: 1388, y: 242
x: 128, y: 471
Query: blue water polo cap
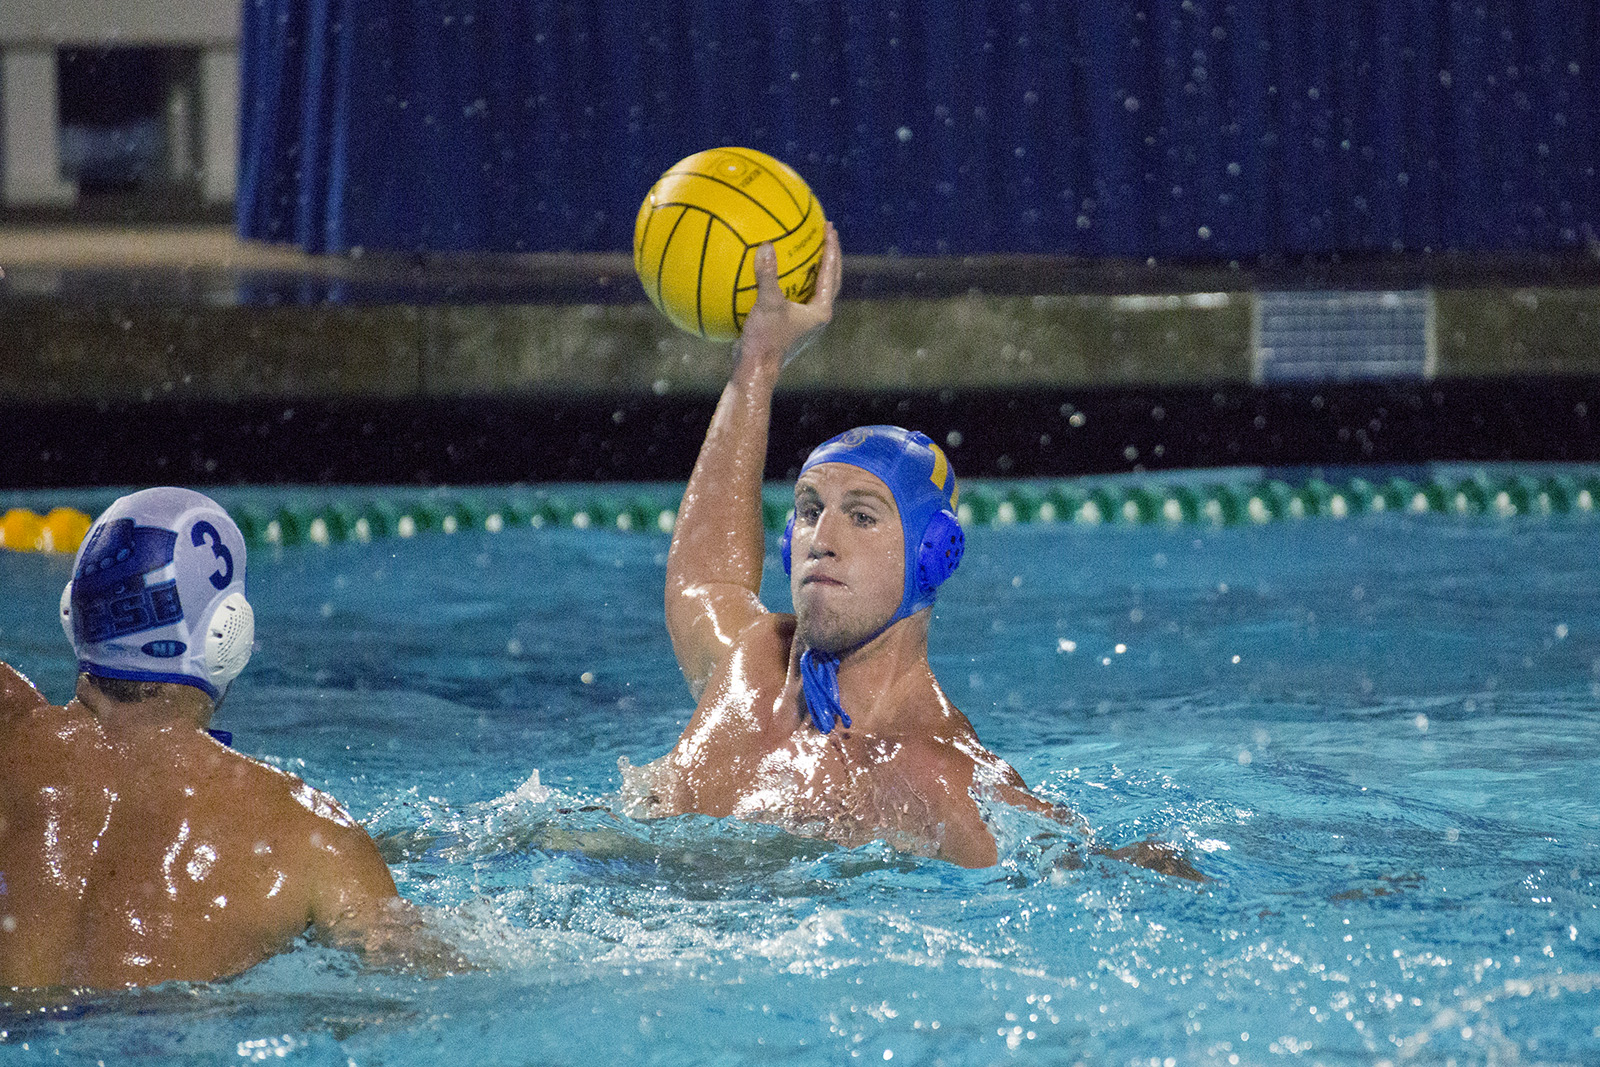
x: 157, y: 593
x: 925, y: 494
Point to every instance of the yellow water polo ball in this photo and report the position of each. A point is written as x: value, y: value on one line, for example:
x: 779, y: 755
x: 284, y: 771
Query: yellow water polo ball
x: 695, y: 240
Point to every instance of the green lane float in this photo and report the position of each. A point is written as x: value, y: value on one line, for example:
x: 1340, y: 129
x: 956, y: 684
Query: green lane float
x: 1143, y: 500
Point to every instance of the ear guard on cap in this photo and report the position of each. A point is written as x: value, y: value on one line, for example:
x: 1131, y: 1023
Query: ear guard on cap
x: 230, y: 637
x: 943, y: 544
x: 66, y: 616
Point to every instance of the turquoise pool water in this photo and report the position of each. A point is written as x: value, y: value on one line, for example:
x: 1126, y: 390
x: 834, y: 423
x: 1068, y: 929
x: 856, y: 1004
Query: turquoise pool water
x: 1377, y: 735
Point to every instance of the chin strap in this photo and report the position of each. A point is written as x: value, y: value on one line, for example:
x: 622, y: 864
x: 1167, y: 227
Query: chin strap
x: 819, y: 679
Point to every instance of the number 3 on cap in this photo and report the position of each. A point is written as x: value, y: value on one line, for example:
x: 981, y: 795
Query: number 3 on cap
x: 204, y: 533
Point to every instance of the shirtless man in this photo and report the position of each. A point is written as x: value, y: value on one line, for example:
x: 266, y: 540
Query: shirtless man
x: 134, y: 847
x: 829, y: 720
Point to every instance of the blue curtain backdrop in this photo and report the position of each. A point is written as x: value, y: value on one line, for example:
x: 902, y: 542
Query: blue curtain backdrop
x: 1167, y: 128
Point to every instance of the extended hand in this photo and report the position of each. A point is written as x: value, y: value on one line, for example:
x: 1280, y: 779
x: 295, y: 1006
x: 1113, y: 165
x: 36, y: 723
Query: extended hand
x: 1159, y: 856
x: 777, y: 328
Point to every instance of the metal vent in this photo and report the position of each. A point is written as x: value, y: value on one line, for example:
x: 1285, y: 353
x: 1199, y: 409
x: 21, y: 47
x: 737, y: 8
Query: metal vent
x: 1333, y: 335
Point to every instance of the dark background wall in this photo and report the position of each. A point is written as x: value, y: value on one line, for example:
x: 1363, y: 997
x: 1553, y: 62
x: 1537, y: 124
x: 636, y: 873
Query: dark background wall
x: 1030, y: 195
x: 1167, y: 128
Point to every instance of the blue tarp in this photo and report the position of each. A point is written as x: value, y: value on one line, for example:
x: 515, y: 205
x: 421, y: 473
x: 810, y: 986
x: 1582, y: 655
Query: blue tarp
x: 1166, y: 128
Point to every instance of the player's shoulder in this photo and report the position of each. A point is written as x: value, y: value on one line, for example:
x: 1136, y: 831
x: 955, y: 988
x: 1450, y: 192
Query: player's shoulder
x: 936, y: 756
x: 299, y: 824
x: 288, y: 798
x: 18, y: 695
x: 24, y: 711
x: 284, y: 821
x: 940, y: 737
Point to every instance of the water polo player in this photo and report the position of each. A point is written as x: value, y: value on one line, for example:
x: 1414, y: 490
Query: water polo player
x: 829, y: 720
x: 134, y: 846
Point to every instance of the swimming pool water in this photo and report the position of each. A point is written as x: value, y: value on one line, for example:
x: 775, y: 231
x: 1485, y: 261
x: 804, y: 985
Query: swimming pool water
x: 1378, y: 736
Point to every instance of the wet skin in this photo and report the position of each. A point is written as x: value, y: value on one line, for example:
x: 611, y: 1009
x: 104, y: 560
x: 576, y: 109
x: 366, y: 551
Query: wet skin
x: 907, y: 768
x: 135, y: 849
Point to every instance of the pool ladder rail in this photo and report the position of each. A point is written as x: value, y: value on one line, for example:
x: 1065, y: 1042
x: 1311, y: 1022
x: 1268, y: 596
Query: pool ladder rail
x: 983, y: 503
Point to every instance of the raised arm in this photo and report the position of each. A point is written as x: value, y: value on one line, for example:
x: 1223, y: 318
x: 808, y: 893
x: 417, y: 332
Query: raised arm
x: 718, y: 544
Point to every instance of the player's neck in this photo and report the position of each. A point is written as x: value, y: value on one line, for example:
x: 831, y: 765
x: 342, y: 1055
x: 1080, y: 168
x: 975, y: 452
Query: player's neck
x: 874, y: 680
x: 172, y: 707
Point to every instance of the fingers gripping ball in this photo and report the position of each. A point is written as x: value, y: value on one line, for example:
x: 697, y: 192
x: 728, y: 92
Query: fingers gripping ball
x: 695, y: 240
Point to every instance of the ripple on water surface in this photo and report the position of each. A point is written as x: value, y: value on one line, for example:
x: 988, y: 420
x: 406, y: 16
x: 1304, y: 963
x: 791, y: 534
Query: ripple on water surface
x: 1391, y: 794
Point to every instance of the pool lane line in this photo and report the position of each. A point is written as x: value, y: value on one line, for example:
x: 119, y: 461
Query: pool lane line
x: 1262, y: 501
x: 60, y: 530
x: 1141, y: 500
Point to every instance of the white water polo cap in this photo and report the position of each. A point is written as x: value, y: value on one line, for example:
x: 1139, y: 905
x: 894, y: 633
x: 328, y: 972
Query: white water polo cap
x: 157, y: 593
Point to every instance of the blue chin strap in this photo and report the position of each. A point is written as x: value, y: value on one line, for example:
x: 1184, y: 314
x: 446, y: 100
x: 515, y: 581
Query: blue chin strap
x: 819, y: 680
x: 919, y: 477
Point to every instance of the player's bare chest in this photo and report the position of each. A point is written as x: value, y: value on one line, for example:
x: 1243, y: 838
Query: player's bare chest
x: 807, y: 772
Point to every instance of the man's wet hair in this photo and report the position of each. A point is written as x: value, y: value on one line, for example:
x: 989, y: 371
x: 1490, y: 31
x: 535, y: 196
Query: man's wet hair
x: 125, y: 690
